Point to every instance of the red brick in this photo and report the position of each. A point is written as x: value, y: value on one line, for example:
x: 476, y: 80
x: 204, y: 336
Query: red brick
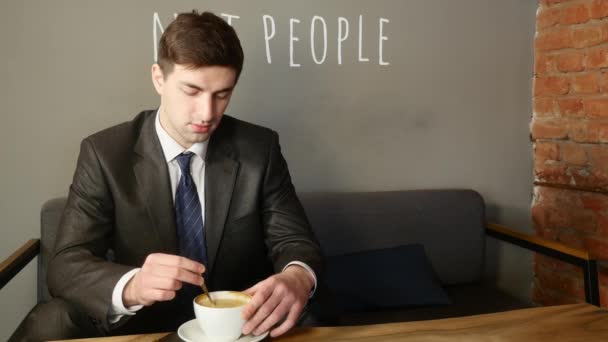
x: 596, y: 202
x: 575, y: 14
x: 558, y: 39
x: 546, y: 150
x: 599, y: 9
x: 573, y: 154
x: 584, y: 132
x: 586, y: 84
x: 571, y: 286
x: 597, y: 177
x: 549, y: 129
x: 540, y: 297
x: 552, y: 2
x: 557, y: 199
x: 584, y: 221
x: 602, y: 132
x: 551, y: 196
x: 603, y: 296
x: 603, y: 275
x: 543, y: 106
x: 587, y: 36
x: 594, y: 178
x: 602, y: 225
x: 546, y: 233
x: 554, y: 264
x: 544, y: 64
x: 596, y: 108
x: 603, y: 282
x: 571, y: 238
x: 597, y: 58
x: 597, y: 247
x: 571, y: 107
x: 596, y: 127
x: 575, y: 218
x: 558, y: 219
x: 598, y: 156
x: 559, y: 209
x: 539, y: 218
x: 604, y: 82
x: 551, y: 85
x: 551, y: 172
x: 604, y: 28
x: 547, y: 17
x: 570, y: 62
x: 548, y: 297
x: 582, y: 177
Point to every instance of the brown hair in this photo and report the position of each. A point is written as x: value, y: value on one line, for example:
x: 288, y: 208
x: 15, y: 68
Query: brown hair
x: 198, y: 40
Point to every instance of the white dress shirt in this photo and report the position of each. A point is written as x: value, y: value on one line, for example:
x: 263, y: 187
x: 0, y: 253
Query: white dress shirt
x: 172, y: 149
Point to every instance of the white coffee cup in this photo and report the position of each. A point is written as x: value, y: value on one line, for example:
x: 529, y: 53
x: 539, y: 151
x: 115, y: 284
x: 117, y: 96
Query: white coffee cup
x: 221, y: 324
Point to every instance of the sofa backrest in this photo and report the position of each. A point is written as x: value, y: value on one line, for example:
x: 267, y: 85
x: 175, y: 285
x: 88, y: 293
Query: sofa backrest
x: 449, y: 223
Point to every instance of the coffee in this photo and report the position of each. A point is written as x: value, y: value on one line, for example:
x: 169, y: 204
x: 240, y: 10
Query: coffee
x: 221, y: 302
x: 223, y: 322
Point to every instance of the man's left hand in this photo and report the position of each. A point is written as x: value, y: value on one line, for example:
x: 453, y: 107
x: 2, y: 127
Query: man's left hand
x: 282, y: 295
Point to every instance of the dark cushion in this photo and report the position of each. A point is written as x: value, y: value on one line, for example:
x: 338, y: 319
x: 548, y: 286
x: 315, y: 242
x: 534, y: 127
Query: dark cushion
x: 384, y: 278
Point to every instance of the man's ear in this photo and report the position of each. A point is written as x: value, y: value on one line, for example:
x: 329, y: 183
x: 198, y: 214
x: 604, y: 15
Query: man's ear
x: 158, y: 78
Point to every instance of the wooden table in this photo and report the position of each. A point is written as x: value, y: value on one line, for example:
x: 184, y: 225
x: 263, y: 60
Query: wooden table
x: 576, y: 322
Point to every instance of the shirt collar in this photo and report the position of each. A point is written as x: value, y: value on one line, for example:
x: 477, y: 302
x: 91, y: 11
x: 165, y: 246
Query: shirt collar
x: 172, y: 148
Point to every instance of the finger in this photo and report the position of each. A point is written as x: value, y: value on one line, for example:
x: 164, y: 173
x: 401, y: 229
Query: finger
x: 276, y: 316
x: 262, y: 313
x: 290, y: 321
x: 174, y: 273
x: 161, y: 283
x: 176, y: 261
x: 264, y: 290
x: 251, y: 291
x: 150, y: 296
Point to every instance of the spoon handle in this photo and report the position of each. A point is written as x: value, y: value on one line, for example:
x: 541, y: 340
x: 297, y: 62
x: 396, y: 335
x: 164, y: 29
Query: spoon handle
x: 207, y: 293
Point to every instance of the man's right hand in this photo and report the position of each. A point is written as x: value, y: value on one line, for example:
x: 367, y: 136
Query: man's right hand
x: 159, y: 278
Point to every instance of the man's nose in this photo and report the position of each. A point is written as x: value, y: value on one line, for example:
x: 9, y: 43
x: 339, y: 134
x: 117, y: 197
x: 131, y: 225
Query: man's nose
x: 205, y: 108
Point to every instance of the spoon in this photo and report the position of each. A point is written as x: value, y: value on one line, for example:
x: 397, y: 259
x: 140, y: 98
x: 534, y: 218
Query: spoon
x: 207, y: 293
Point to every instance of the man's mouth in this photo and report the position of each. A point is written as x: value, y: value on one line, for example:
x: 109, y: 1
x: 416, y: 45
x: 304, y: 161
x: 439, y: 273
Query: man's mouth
x: 201, y: 128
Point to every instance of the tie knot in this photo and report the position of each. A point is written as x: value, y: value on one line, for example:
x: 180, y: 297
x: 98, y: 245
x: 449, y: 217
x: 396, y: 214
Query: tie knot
x: 183, y: 159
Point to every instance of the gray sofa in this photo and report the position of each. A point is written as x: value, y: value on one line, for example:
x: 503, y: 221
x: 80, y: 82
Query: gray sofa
x: 356, y: 229
x: 450, y: 224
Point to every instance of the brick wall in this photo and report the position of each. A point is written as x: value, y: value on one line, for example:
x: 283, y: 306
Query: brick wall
x: 569, y: 130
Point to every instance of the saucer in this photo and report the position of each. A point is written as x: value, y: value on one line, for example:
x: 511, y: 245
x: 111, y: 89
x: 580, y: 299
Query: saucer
x: 191, y: 332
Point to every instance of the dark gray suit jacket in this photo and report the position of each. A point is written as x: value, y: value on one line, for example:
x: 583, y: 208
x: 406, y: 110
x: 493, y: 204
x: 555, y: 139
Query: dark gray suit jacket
x: 120, y: 210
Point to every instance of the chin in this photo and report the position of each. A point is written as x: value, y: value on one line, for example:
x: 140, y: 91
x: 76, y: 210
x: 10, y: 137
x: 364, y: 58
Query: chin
x: 201, y: 138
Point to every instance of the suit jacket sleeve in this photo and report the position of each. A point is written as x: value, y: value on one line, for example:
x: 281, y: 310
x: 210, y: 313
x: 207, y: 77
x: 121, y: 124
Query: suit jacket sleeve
x: 79, y: 271
x: 288, y: 232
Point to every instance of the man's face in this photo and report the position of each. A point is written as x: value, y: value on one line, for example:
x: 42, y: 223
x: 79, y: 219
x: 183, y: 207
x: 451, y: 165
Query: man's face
x: 193, y: 101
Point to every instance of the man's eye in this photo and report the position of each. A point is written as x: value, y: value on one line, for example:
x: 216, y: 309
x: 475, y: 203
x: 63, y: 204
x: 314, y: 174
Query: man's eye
x: 189, y: 92
x: 222, y: 95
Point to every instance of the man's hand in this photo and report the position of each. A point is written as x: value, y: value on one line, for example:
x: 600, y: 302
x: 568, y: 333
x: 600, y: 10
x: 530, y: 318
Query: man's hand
x: 159, y: 278
x: 282, y: 295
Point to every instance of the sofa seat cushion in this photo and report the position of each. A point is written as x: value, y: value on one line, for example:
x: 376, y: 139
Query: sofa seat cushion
x: 467, y: 300
x: 384, y: 278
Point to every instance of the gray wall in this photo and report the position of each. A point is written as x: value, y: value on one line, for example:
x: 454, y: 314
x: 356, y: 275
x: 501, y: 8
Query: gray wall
x: 450, y: 110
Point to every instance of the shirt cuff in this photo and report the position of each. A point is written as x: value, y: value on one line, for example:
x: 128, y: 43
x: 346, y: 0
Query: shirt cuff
x: 118, y: 309
x: 306, y: 267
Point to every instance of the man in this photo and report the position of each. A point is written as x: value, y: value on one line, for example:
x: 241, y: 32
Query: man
x: 180, y: 196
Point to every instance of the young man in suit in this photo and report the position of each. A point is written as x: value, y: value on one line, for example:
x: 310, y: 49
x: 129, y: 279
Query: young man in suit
x: 180, y: 196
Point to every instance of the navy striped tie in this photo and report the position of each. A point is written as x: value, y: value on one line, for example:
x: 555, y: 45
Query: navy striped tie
x: 188, y: 214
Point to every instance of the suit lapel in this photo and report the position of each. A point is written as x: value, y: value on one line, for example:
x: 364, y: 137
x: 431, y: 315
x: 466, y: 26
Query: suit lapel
x: 221, y: 170
x: 153, y: 180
